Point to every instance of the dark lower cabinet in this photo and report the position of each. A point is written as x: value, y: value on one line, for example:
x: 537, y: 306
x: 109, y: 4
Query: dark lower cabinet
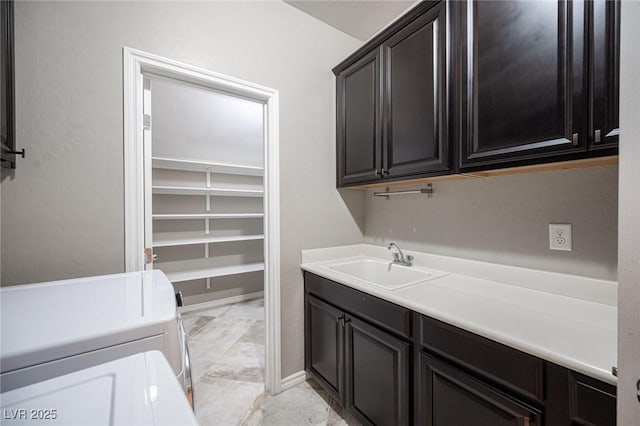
x: 377, y: 370
x: 324, y: 347
x: 358, y: 348
x: 390, y: 366
x: 591, y: 402
x: 450, y: 397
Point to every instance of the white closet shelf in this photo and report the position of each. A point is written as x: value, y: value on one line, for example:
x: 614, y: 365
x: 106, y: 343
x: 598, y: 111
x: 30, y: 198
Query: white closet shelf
x: 221, y: 271
x: 205, y: 166
x: 223, y: 192
x: 204, y: 240
x: 208, y: 216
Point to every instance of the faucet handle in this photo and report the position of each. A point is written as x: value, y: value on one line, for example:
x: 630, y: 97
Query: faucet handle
x: 409, y: 260
x: 396, y: 257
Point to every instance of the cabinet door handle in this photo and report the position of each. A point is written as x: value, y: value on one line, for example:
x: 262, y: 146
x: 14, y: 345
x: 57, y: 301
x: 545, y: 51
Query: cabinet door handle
x: 340, y: 318
x: 378, y: 173
x: 597, y: 137
x: 385, y: 172
x: 347, y: 319
x: 574, y: 139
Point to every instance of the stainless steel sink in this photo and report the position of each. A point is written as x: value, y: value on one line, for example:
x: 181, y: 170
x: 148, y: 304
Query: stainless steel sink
x: 385, y: 275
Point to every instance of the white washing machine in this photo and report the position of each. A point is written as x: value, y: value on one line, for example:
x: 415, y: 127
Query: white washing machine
x: 58, y: 327
x: 138, y: 390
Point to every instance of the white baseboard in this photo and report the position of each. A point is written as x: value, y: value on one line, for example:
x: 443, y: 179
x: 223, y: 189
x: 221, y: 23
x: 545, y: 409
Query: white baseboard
x: 220, y: 302
x: 293, y: 380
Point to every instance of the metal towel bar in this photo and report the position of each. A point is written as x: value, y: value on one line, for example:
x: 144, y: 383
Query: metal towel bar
x: 428, y: 191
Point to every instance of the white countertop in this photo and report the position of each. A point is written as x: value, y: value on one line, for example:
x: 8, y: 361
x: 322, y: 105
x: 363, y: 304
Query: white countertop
x: 138, y: 390
x: 46, y: 321
x: 565, y: 319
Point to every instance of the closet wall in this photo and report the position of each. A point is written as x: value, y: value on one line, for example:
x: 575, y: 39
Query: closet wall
x: 207, y: 190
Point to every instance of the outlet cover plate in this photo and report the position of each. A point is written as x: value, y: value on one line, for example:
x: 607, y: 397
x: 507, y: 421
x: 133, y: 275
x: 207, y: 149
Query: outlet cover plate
x: 560, y: 236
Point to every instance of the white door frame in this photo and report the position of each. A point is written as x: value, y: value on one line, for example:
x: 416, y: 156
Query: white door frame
x: 628, y: 212
x: 136, y: 63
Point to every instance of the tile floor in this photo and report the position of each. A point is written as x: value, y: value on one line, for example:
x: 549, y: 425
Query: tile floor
x: 226, y: 345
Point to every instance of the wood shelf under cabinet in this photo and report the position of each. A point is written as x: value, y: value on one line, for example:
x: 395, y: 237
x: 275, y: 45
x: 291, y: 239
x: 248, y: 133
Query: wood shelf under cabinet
x: 537, y: 168
x: 170, y: 163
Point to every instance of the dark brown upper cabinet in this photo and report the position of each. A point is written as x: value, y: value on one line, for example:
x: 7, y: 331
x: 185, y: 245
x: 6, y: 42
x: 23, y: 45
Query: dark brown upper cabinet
x: 521, y: 82
x: 7, y: 111
x: 604, y: 40
x: 392, y: 100
x: 415, y: 128
x: 465, y: 86
x: 359, y: 135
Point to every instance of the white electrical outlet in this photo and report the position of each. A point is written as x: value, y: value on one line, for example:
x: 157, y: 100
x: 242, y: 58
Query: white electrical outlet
x: 560, y: 236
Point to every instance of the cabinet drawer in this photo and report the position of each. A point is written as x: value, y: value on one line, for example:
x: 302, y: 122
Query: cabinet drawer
x: 591, y: 402
x: 386, y: 315
x: 505, y: 366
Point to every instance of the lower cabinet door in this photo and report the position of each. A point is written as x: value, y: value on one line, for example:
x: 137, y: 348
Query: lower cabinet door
x: 449, y: 397
x: 591, y: 402
x: 377, y: 370
x: 324, y: 345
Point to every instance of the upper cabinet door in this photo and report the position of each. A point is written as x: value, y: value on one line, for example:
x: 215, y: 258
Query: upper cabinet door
x: 605, y: 58
x: 520, y: 76
x: 415, y: 139
x: 358, y: 121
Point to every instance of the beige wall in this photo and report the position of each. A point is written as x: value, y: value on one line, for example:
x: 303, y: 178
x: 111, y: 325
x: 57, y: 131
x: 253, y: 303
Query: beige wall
x: 629, y: 270
x: 506, y: 220
x: 62, y: 210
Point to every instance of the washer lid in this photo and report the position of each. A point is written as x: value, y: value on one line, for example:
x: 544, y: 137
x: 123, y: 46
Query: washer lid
x: 51, y: 320
x: 137, y: 390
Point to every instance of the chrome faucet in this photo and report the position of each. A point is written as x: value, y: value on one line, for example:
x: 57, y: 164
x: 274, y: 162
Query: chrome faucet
x: 399, y: 257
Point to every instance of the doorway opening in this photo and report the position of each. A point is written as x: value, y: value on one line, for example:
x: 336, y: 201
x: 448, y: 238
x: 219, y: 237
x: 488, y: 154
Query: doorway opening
x: 202, y: 187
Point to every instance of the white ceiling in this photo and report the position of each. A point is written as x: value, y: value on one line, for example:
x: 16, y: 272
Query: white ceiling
x: 360, y: 19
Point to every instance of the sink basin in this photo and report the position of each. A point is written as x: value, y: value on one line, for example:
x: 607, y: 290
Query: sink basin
x: 384, y: 274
